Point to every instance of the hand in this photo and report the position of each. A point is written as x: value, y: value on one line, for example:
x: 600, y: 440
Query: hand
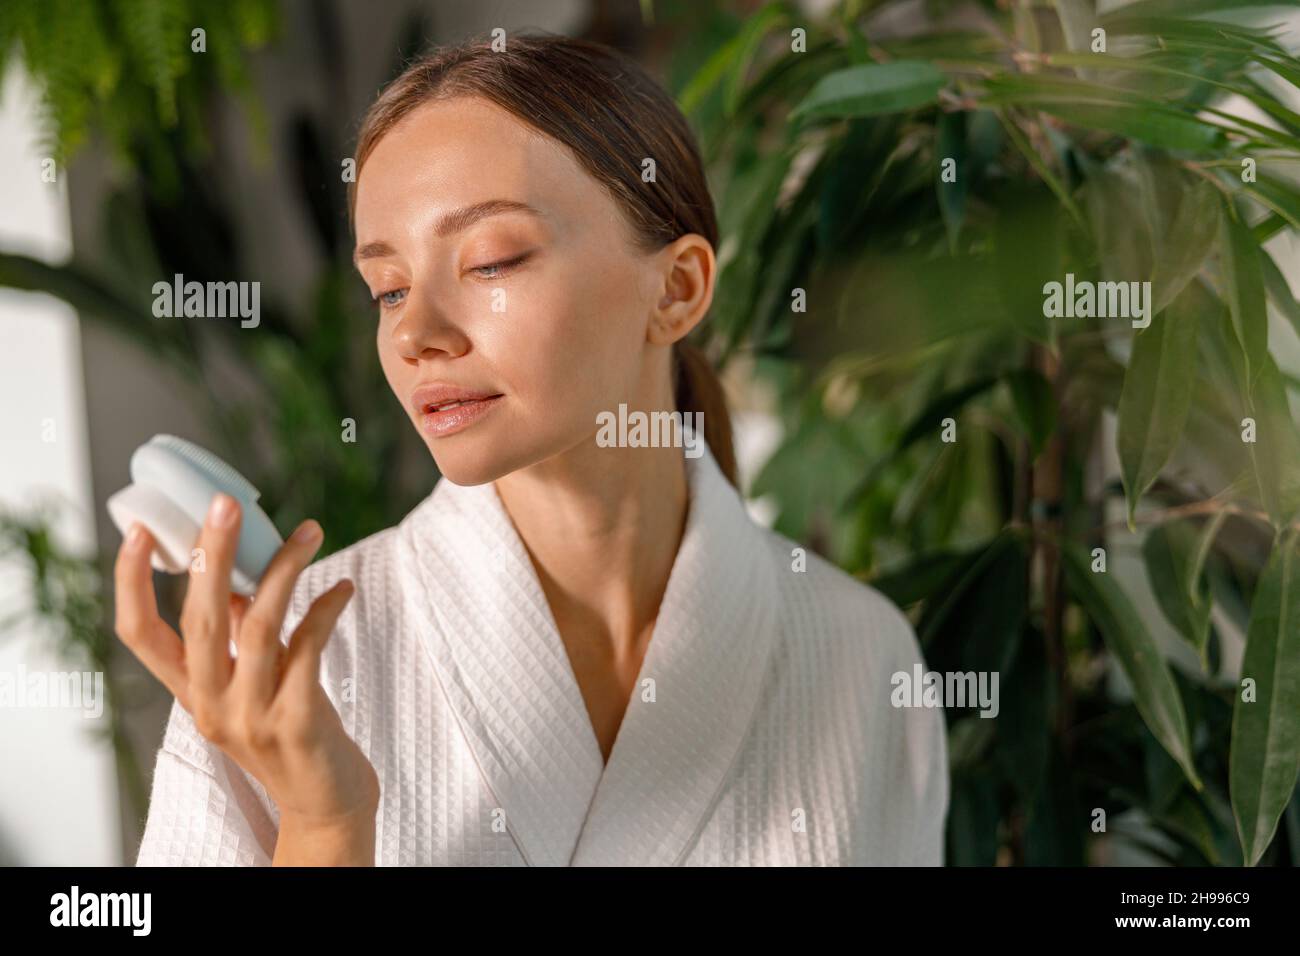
x: 265, y: 707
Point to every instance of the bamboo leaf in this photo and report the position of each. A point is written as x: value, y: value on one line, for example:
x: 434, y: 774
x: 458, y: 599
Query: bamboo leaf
x: 975, y: 623
x: 1243, y: 281
x: 1267, y: 228
x: 872, y: 89
x: 750, y: 38
x: 927, y: 422
x: 920, y: 577
x: 1035, y: 406
x: 1278, y: 197
x: 1112, y: 110
x: 1279, y: 292
x: 1204, y: 33
x: 1265, y: 750
x: 1156, y: 398
x: 1182, y: 220
x: 1188, y: 8
x: 951, y: 144
x: 1170, y: 551
x: 1154, y: 691
x: 1275, y: 450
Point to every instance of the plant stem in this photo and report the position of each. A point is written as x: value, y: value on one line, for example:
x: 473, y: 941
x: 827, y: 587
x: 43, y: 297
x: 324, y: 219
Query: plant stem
x: 1048, y: 495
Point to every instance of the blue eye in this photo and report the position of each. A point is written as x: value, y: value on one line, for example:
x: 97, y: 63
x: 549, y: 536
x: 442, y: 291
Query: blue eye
x: 387, y: 300
x: 502, y: 268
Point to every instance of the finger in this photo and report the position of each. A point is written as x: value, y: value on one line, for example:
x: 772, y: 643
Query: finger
x: 238, y: 608
x: 257, y: 670
x: 205, y: 615
x: 302, y: 663
x: 137, y: 622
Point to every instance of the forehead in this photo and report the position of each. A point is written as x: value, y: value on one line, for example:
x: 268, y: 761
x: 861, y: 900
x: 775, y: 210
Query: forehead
x: 448, y: 153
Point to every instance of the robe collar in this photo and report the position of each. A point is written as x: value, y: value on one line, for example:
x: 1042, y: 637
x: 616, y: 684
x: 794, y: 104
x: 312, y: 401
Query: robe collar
x: 498, y: 655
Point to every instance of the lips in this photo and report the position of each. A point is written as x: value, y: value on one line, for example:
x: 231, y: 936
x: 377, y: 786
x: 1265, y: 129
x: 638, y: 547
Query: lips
x: 445, y: 408
x: 436, y: 395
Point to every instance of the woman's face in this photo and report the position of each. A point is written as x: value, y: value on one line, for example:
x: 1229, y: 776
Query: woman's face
x: 507, y: 276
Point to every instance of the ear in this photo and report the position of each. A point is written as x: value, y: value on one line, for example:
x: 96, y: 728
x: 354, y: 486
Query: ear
x: 689, y: 271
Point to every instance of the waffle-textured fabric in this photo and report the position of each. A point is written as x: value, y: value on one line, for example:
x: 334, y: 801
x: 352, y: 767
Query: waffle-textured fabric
x: 760, y: 731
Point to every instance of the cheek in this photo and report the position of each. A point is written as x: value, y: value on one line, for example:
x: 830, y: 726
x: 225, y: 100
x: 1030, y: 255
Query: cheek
x: 395, y: 370
x: 573, y: 343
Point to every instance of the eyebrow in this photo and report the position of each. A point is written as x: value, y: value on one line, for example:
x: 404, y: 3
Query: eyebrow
x: 450, y: 223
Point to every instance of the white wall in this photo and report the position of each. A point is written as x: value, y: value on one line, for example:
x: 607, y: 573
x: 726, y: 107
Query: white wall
x: 58, y: 790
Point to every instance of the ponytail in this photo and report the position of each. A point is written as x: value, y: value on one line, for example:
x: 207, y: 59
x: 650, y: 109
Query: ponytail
x: 698, y: 390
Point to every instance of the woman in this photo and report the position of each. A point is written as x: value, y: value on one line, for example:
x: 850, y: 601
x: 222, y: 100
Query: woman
x: 572, y: 652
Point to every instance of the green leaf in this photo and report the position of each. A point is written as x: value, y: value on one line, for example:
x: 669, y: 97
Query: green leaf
x: 1188, y: 8
x: 969, y: 739
x: 1243, y: 281
x: 951, y: 144
x: 750, y: 38
x: 1156, y: 398
x: 1151, y: 65
x: 1053, y: 832
x: 1279, y: 292
x: 1231, y: 36
x: 1275, y: 452
x: 707, y: 77
x: 1170, y: 552
x: 927, y: 422
x: 1108, y: 109
x: 1182, y: 218
x: 1279, y: 197
x: 1268, y: 227
x: 1035, y: 406
x: 1293, y: 827
x: 1265, y: 749
x: 1029, y: 235
x: 920, y: 577
x: 871, y: 90
x: 1155, y: 125
x: 1187, y: 818
x: 972, y: 830
x: 1154, y: 691
x: 1018, y: 139
x: 976, y: 623
x: 1024, y: 725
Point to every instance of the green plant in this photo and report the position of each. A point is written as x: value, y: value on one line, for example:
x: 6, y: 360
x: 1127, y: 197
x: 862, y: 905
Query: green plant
x: 924, y: 302
x: 130, y: 68
x: 307, y: 417
x: 67, y: 607
x: 889, y: 303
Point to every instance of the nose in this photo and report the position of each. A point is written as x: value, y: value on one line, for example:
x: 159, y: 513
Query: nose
x: 425, y: 328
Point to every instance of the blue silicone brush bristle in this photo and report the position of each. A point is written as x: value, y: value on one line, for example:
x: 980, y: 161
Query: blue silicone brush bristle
x: 237, y: 484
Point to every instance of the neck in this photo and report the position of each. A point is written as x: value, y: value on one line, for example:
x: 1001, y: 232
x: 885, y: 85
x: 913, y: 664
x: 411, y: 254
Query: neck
x: 602, y: 526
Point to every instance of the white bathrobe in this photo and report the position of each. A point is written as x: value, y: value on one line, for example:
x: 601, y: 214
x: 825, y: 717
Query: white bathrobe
x: 760, y: 731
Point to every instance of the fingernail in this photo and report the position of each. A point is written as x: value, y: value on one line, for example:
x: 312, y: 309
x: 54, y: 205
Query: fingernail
x: 222, y: 512
x: 135, y: 535
x: 307, y: 532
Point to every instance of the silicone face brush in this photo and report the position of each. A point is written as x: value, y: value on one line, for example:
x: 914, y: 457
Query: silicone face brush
x: 173, y: 484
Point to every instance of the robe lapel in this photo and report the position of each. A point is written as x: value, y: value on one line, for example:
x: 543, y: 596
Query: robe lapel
x: 707, y: 657
x: 500, y: 659
x: 498, y: 655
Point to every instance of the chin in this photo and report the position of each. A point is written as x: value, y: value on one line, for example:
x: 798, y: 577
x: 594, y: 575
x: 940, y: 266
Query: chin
x: 468, y: 466
x: 477, y: 457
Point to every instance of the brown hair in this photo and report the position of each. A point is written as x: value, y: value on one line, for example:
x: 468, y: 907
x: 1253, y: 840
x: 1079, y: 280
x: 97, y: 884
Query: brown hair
x: 611, y: 113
